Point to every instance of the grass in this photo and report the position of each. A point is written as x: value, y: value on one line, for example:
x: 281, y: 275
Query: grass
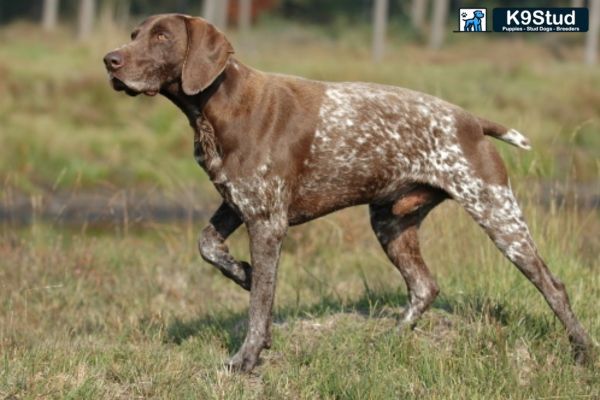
x: 115, y: 315
x: 126, y: 313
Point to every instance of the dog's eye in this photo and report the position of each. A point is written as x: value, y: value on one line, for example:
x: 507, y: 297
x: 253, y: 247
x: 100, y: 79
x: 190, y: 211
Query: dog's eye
x: 161, y: 36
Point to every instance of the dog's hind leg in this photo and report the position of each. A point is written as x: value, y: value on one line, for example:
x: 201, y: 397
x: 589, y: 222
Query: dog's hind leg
x: 488, y: 198
x: 396, y: 227
x: 213, y: 249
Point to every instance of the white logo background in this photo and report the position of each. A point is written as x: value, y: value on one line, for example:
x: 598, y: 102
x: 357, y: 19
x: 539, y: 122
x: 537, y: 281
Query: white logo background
x: 469, y: 15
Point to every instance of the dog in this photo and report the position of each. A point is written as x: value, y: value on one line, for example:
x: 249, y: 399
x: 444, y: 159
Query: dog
x: 283, y: 150
x: 474, y: 24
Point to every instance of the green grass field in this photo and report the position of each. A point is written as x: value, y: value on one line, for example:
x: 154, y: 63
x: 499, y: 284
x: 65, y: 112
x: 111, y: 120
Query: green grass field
x: 135, y: 313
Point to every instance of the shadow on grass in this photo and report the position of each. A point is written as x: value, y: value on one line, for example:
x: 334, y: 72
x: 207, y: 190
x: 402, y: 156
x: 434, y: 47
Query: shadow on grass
x: 477, y: 306
x: 231, y: 326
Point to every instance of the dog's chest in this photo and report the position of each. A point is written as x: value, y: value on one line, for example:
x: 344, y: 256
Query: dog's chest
x: 250, y: 193
x: 207, y: 152
x: 208, y: 155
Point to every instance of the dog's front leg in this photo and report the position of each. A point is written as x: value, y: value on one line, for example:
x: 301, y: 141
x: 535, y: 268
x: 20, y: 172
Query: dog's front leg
x: 266, y: 236
x: 213, y: 249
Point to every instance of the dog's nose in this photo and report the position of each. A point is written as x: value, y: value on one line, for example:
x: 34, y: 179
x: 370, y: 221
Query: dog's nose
x: 113, y: 61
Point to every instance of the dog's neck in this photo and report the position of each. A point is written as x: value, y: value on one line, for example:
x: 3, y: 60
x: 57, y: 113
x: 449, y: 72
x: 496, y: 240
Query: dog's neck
x: 218, y: 101
x: 213, y: 112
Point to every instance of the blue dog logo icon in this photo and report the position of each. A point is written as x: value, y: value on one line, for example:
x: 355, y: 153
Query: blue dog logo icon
x: 476, y: 22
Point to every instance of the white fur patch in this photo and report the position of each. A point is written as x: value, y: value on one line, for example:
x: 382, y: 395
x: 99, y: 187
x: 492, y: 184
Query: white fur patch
x: 517, y: 138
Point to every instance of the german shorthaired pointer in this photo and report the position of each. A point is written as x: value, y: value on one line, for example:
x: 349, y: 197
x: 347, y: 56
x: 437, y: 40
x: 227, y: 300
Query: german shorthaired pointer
x: 283, y: 150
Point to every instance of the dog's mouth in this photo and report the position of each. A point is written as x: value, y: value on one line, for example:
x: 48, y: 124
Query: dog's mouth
x: 120, y: 86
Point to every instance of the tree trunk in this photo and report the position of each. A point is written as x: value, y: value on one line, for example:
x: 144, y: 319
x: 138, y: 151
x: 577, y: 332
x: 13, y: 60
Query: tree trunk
x: 215, y: 11
x: 380, y: 14
x: 591, y: 39
x: 209, y: 9
x: 123, y: 12
x: 577, y: 3
x: 222, y: 14
x: 244, y: 15
x: 87, y: 9
x: 183, y: 6
x: 107, y: 13
x: 114, y: 13
x: 438, y: 23
x: 417, y: 13
x: 50, y: 14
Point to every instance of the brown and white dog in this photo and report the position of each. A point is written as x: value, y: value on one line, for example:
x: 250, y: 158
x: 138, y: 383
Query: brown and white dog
x: 283, y: 150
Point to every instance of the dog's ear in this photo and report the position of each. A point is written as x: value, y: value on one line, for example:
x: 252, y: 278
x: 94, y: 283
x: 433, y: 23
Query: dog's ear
x: 206, y: 56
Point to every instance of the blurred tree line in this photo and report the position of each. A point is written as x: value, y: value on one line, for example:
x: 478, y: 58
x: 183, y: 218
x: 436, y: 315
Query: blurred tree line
x: 68, y: 9
x: 313, y: 11
x: 431, y: 20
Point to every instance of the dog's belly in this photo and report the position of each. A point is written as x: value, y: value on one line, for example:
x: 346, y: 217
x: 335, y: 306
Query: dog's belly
x: 313, y: 204
x: 371, y: 144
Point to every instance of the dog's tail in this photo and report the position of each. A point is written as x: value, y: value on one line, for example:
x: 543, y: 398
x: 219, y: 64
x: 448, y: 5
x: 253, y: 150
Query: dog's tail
x: 500, y: 132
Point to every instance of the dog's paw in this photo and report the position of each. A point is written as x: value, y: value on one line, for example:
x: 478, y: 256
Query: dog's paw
x: 409, y: 319
x: 241, y: 273
x: 246, y: 283
x: 404, y: 327
x: 242, y: 361
x: 583, y: 350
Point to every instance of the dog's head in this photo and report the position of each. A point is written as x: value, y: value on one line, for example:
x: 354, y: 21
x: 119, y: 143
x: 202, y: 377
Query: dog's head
x: 169, y: 48
x: 478, y: 14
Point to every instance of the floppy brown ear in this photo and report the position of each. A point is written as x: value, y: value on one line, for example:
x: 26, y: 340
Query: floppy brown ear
x: 208, y: 51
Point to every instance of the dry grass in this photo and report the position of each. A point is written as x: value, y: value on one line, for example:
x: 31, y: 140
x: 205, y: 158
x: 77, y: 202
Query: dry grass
x: 124, y: 316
